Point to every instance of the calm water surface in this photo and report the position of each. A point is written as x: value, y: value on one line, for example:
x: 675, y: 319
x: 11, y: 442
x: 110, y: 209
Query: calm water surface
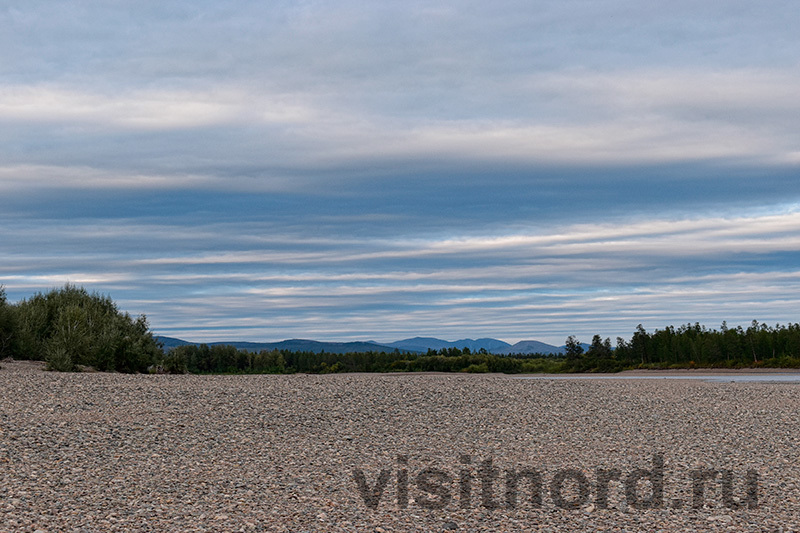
x: 732, y: 378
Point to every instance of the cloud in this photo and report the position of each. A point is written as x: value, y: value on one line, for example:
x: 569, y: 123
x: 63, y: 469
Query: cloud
x: 582, y: 278
x: 20, y: 178
x: 514, y: 169
x: 610, y: 119
x: 151, y: 110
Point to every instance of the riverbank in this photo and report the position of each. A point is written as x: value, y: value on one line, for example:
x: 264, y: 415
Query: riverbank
x: 121, y: 452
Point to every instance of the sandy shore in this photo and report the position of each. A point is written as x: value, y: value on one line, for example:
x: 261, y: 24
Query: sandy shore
x: 112, y: 452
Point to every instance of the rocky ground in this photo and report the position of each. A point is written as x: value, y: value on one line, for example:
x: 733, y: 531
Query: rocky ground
x: 114, y: 452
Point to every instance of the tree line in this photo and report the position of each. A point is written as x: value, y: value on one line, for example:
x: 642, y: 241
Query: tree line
x: 70, y: 328
x: 693, y: 345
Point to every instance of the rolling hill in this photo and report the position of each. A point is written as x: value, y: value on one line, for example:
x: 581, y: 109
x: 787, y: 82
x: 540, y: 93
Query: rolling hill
x: 412, y: 345
x: 292, y: 345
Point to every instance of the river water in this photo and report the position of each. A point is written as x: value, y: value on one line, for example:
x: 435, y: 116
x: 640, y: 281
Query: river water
x: 723, y: 378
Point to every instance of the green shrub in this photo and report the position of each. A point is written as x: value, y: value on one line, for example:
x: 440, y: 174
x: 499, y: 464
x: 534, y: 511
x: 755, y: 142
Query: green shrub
x: 69, y: 327
x: 477, y: 369
x: 59, y: 359
x: 175, y: 363
x: 8, y: 327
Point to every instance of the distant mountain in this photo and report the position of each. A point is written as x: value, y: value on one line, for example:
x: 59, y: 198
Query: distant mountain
x: 423, y: 344
x: 490, y: 345
x: 292, y: 345
x: 413, y: 345
x: 303, y: 345
x: 171, y: 342
x: 526, y: 347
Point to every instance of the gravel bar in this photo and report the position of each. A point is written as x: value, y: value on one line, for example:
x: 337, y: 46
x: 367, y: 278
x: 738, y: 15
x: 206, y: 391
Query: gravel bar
x: 381, y: 453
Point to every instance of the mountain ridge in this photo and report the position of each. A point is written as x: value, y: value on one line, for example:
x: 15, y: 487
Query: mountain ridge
x: 293, y: 345
x: 426, y: 343
x: 410, y: 345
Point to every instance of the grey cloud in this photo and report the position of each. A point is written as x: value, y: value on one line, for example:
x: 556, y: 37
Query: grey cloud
x: 266, y: 170
x: 562, y: 279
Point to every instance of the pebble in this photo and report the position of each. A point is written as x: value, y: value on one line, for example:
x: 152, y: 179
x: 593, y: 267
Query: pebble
x: 116, y: 452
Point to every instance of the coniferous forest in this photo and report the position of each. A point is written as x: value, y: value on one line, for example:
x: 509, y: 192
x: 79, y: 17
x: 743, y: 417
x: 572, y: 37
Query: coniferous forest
x: 71, y: 329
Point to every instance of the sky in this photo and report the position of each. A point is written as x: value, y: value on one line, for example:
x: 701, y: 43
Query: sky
x: 344, y: 170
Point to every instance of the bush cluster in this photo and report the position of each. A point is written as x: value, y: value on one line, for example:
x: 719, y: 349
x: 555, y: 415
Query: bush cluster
x: 70, y: 327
